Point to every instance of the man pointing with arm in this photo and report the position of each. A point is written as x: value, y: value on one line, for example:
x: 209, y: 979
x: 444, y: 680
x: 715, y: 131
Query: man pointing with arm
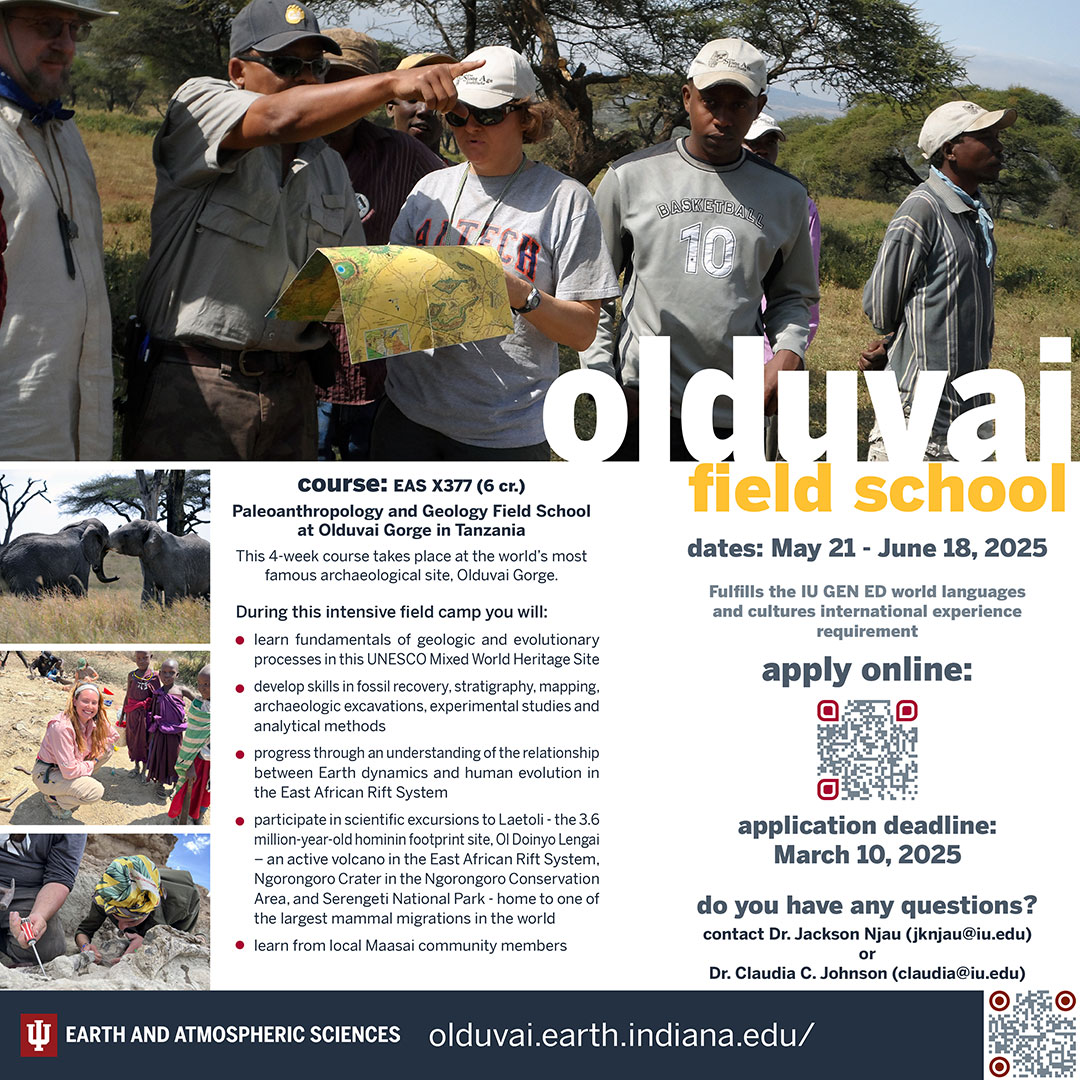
x: 247, y: 190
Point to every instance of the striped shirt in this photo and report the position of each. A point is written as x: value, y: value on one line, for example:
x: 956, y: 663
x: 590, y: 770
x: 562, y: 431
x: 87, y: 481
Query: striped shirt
x: 196, y: 735
x: 932, y: 289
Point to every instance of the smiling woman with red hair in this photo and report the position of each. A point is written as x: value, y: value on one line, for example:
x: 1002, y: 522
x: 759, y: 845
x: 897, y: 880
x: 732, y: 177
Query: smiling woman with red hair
x: 77, y: 742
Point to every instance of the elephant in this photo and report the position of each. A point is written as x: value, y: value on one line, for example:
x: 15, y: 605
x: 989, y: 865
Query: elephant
x: 173, y: 566
x: 35, y: 562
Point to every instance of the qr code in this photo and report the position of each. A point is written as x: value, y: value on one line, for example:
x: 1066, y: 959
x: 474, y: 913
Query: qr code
x: 1033, y: 1035
x: 867, y: 751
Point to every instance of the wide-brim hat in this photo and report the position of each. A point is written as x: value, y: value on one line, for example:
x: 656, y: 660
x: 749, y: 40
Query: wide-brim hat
x: 506, y: 76
x: 947, y: 122
x: 86, y: 8
x: 270, y: 25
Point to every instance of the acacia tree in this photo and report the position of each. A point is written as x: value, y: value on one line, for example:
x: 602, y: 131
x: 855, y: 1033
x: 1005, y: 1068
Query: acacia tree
x: 14, y: 504
x: 179, y: 497
x: 153, y: 47
x: 642, y: 49
x: 872, y: 151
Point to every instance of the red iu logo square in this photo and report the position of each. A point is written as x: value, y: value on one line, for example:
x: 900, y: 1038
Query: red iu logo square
x: 37, y: 1034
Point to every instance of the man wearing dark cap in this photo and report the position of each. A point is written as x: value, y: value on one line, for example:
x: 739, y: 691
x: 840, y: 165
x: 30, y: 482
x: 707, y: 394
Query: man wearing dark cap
x: 384, y: 166
x: 414, y: 117
x: 931, y: 292
x: 55, y: 333
x: 246, y: 191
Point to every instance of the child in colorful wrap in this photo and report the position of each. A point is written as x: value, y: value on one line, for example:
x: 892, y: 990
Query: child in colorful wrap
x: 193, y: 760
x: 141, y: 684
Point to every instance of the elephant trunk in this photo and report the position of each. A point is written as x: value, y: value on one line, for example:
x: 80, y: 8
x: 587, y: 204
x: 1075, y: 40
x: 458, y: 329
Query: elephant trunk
x: 99, y: 572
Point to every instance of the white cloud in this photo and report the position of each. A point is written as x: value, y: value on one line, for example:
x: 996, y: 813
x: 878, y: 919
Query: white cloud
x: 197, y: 843
x: 999, y: 70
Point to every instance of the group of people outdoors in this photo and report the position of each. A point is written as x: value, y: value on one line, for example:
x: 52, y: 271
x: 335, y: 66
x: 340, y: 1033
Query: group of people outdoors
x: 258, y: 169
x: 37, y: 874
x: 164, y: 726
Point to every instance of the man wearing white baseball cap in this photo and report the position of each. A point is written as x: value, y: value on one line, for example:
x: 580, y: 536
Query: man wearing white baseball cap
x: 56, y: 334
x: 931, y: 292
x: 703, y: 229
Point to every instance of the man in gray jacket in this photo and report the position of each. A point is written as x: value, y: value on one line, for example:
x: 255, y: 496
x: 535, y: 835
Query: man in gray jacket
x: 701, y: 230
x: 931, y: 292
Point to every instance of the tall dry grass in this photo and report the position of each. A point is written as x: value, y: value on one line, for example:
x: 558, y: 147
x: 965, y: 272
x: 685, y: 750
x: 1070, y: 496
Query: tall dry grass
x: 101, y: 618
x: 108, y: 614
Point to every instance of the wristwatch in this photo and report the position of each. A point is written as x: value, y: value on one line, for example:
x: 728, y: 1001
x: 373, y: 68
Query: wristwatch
x: 532, y: 302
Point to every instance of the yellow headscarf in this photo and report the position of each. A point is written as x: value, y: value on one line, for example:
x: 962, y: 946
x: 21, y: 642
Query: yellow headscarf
x: 130, y: 886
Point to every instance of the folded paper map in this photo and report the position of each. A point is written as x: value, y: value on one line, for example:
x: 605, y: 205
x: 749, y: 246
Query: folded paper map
x: 395, y: 299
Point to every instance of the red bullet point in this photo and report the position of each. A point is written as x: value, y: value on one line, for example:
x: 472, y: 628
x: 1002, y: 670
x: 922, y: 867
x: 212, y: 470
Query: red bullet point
x: 240, y: 640
x: 239, y: 821
x: 239, y: 944
x: 239, y: 753
x: 239, y: 687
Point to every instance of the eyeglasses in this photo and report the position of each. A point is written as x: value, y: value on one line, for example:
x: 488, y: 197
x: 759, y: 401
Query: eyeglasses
x: 50, y: 29
x: 484, y: 117
x: 289, y: 67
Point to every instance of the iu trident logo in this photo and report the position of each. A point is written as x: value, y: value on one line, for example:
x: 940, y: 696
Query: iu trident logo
x: 38, y: 1034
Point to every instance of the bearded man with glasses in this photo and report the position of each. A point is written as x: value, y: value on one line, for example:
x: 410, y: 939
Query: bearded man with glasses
x: 246, y: 191
x: 55, y: 334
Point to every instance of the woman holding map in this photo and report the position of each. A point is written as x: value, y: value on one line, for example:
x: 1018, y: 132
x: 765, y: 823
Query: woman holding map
x: 483, y: 401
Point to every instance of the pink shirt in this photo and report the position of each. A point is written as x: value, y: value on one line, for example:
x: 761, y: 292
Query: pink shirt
x: 59, y: 747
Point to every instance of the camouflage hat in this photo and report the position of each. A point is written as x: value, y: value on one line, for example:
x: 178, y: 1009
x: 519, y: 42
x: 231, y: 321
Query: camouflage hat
x: 359, y: 53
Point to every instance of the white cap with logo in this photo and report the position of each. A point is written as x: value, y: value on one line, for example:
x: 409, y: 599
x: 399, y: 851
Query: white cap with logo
x: 762, y: 126
x: 729, y: 60
x: 506, y: 76
x: 954, y: 118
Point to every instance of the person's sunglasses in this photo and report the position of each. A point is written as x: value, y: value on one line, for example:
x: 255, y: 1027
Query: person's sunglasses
x: 288, y: 67
x: 484, y: 117
x: 51, y: 29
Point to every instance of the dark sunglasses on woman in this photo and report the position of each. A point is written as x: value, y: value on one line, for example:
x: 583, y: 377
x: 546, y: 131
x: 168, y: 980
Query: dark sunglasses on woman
x: 288, y: 67
x: 484, y: 117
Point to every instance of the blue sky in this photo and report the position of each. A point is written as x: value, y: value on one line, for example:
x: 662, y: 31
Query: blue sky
x: 192, y: 852
x: 1031, y: 43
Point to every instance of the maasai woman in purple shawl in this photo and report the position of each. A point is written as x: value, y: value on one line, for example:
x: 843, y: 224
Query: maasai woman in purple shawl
x: 166, y: 725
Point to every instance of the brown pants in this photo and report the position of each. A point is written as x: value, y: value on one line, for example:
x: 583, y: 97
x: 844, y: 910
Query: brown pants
x: 196, y: 413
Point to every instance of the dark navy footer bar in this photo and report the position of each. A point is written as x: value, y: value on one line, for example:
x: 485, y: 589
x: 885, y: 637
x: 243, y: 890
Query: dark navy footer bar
x: 771, y: 1034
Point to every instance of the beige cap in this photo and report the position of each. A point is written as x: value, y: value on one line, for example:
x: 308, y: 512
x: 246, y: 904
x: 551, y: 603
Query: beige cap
x: 729, y: 60
x: 422, y: 59
x: 359, y: 53
x: 952, y: 119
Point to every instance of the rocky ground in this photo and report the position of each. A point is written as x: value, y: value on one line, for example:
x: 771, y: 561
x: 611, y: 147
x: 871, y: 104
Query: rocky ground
x: 168, y: 960
x: 26, y: 707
